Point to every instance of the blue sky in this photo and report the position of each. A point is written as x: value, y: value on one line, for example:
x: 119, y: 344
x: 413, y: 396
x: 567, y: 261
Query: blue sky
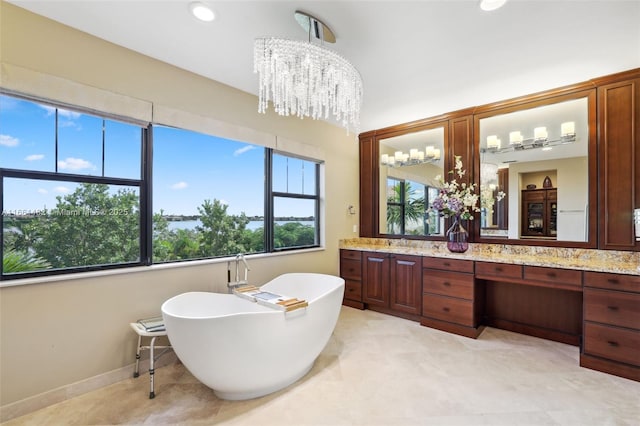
x: 188, y: 167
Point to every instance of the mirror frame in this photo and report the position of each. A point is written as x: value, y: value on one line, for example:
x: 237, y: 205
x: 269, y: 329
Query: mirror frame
x: 370, y: 171
x: 534, y: 101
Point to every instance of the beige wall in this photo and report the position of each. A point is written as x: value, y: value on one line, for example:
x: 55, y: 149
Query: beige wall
x: 59, y: 332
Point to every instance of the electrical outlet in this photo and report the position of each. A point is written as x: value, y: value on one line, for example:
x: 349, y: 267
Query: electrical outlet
x: 355, y: 228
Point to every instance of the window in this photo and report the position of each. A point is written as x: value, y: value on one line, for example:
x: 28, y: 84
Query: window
x: 294, y: 202
x: 71, y: 189
x: 406, y: 209
x: 217, y: 197
x: 77, y: 193
x: 208, y: 196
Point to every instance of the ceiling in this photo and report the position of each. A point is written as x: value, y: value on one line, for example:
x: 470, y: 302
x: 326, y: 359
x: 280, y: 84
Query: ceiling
x: 417, y: 58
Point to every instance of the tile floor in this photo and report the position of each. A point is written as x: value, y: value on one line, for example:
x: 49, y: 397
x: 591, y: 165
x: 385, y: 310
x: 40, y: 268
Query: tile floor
x: 381, y: 370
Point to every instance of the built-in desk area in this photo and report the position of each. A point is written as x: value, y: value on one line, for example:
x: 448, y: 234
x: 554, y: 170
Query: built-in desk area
x: 588, y: 298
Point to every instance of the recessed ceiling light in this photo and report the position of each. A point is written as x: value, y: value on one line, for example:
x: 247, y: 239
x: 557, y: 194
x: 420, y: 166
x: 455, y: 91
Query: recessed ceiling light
x: 489, y: 5
x: 201, y: 11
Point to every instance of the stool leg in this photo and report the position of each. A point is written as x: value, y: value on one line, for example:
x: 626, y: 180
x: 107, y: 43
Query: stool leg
x: 136, y: 372
x: 152, y: 394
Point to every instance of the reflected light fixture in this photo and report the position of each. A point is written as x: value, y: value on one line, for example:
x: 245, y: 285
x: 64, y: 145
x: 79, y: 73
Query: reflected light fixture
x: 306, y: 79
x: 201, y: 11
x: 489, y: 5
x: 540, y: 140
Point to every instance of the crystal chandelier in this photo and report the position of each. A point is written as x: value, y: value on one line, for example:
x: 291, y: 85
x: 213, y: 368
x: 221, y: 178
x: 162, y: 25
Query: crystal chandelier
x: 307, y: 80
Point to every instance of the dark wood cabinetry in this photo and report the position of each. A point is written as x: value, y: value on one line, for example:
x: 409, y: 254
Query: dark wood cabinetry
x: 351, y: 271
x: 613, y: 161
x: 619, y: 168
x: 392, y: 283
x: 598, y: 311
x: 612, y: 324
x: 450, y: 300
x: 539, y: 301
x: 539, y: 213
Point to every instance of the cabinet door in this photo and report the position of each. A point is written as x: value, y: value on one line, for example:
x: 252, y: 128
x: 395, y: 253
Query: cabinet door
x: 375, y: 279
x: 619, y: 156
x: 533, y: 213
x: 406, y: 284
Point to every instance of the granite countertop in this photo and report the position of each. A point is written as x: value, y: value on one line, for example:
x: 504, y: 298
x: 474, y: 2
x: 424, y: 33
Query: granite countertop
x: 621, y: 262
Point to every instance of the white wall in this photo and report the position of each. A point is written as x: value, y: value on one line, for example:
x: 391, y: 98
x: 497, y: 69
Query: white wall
x: 573, y: 192
x: 57, y: 332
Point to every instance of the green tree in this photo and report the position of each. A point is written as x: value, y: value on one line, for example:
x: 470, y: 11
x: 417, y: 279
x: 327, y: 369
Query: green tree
x: 221, y: 234
x: 293, y: 234
x: 414, y: 207
x: 16, y: 261
x: 89, y: 227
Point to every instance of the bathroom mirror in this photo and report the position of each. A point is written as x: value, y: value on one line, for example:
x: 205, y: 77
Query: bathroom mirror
x: 409, y: 164
x: 534, y: 171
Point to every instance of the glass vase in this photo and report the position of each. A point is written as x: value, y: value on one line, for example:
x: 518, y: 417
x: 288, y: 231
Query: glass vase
x: 457, y: 237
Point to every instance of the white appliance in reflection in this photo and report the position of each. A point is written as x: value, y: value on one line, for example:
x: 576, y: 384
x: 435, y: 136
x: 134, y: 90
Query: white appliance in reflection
x: 636, y: 219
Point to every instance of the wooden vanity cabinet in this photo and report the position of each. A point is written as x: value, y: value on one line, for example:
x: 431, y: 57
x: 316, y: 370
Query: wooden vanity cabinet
x: 619, y: 162
x: 612, y: 324
x: 392, y: 283
x: 539, y: 213
x: 450, y: 299
x: 351, y: 272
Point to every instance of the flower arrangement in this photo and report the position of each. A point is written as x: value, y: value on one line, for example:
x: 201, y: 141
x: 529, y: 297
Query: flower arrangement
x: 455, y: 199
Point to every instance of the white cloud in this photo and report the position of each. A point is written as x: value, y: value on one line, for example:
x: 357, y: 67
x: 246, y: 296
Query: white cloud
x: 50, y: 110
x: 71, y: 115
x: 224, y: 202
x: 62, y: 189
x: 179, y: 185
x: 6, y: 140
x: 42, y: 191
x: 75, y: 164
x: 34, y: 157
x: 242, y: 150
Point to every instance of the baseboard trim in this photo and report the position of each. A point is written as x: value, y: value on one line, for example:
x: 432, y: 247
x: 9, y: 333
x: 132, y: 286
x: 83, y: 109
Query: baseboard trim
x: 63, y: 393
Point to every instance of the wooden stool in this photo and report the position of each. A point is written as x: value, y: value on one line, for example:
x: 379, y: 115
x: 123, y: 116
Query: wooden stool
x: 142, y: 332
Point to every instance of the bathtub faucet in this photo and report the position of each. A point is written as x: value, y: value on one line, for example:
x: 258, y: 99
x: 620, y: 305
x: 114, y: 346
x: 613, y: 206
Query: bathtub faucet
x: 237, y: 282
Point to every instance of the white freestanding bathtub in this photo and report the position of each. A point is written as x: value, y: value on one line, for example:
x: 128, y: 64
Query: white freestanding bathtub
x: 242, y: 349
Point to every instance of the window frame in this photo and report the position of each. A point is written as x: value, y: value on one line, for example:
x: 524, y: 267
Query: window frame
x: 145, y: 188
x: 271, y: 195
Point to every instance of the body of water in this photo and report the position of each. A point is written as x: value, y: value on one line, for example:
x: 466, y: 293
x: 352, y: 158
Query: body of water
x: 253, y: 225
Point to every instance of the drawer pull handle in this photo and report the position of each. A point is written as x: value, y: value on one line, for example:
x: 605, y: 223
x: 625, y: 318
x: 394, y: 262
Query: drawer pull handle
x: 498, y: 269
x: 446, y: 309
x: 551, y: 274
x: 446, y: 284
x: 613, y: 281
x: 446, y: 263
x: 612, y: 343
x: 612, y: 308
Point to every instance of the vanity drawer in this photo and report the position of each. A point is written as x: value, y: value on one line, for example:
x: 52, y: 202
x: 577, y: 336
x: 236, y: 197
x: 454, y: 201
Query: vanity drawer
x: 353, y: 290
x: 452, y: 284
x: 611, y: 342
x: 501, y: 270
x: 445, y: 264
x: 351, y: 254
x: 612, y: 281
x: 553, y: 275
x: 350, y: 269
x: 448, y: 309
x: 612, y: 307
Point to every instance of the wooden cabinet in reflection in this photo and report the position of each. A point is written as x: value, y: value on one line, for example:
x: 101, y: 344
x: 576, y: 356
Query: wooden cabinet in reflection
x: 540, y: 213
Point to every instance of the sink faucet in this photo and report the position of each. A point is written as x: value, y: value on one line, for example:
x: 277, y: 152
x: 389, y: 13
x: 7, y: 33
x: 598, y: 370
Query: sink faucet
x: 237, y: 282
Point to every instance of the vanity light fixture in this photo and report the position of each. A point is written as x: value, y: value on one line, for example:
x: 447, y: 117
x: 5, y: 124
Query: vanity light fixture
x: 201, y: 11
x: 540, y: 139
x: 414, y: 157
x: 489, y: 5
